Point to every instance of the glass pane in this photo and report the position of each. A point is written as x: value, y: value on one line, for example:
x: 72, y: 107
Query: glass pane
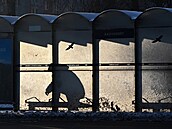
x: 76, y: 81
x: 6, y: 80
x: 156, y: 48
x: 117, y: 82
x: 34, y: 75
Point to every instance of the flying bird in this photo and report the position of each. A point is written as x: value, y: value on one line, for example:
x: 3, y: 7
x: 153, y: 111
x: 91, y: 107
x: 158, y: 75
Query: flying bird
x: 158, y: 39
x: 70, y: 46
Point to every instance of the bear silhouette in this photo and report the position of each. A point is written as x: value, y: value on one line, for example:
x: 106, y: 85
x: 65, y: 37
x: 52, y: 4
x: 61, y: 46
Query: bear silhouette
x: 68, y: 84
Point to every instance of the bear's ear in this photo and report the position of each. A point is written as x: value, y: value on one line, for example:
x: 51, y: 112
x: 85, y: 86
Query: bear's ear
x: 46, y: 93
x: 67, y: 66
x: 50, y: 67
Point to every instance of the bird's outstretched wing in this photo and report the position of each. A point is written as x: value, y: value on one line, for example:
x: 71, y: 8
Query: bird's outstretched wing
x: 158, y: 39
x: 70, y: 46
x: 67, y: 48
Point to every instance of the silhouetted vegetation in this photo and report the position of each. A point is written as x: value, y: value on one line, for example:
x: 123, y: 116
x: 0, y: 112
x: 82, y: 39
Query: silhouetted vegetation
x: 19, y: 7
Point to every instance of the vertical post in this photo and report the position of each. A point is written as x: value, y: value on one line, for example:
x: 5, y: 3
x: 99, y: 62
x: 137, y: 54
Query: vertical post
x: 16, y: 71
x: 55, y: 94
x: 138, y: 72
x: 95, y: 88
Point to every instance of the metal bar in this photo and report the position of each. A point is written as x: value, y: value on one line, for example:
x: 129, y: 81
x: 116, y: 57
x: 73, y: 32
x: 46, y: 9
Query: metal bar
x: 138, y: 74
x: 99, y: 70
x: 157, y: 105
x: 32, y: 105
x: 16, y: 75
x: 55, y: 57
x: 95, y: 87
x: 156, y: 64
x: 33, y: 65
x: 99, y: 64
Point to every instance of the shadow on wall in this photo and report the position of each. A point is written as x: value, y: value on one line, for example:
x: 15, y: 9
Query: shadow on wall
x: 68, y: 84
